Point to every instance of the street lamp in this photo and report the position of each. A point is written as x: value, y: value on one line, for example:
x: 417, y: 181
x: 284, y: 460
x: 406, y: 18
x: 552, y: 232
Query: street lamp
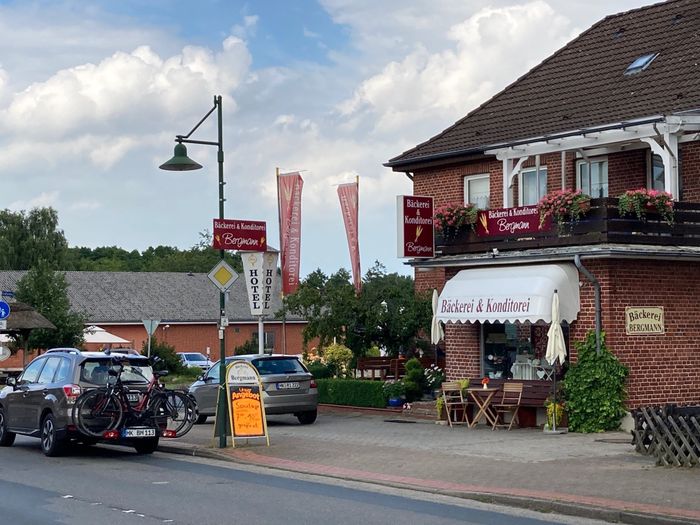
x: 181, y: 162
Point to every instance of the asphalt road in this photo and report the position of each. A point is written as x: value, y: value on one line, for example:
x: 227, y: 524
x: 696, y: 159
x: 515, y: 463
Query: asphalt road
x: 113, y: 485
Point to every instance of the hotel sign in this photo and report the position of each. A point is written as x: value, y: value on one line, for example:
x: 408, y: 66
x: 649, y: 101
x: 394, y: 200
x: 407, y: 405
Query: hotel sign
x: 644, y: 320
x: 510, y: 222
x: 416, y: 237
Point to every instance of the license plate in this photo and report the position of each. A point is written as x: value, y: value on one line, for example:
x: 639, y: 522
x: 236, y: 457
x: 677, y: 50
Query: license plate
x: 288, y: 385
x: 133, y: 398
x: 135, y: 432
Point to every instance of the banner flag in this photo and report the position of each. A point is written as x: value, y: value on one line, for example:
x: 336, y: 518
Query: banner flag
x: 349, y: 207
x: 260, y: 271
x: 289, y: 186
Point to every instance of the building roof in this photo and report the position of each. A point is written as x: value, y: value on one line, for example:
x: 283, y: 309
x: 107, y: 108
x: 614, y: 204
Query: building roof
x: 583, y: 85
x: 130, y: 297
x: 23, y: 318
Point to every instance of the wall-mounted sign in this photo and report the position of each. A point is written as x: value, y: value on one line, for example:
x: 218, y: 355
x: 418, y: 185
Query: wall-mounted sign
x: 244, y: 236
x: 644, y: 320
x: 510, y: 222
x: 416, y: 237
x: 245, y: 402
x: 260, y: 270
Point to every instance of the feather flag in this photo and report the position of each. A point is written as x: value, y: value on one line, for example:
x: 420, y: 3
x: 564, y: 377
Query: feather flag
x: 349, y: 206
x: 289, y: 186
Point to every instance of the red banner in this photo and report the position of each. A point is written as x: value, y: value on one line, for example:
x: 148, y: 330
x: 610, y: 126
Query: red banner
x: 245, y: 236
x: 289, y: 187
x: 349, y: 207
x: 510, y: 222
x: 416, y: 237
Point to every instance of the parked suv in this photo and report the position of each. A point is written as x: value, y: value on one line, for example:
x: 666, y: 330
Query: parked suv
x: 40, y: 401
x: 288, y: 387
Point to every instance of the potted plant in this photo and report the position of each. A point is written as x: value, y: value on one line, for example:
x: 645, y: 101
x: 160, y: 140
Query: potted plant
x: 463, y: 385
x: 451, y: 218
x: 563, y: 206
x: 395, y: 392
x: 440, y: 407
x: 553, y: 408
x: 485, y: 382
x: 643, y: 201
x: 434, y: 376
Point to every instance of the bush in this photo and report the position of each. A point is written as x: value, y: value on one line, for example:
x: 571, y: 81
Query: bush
x: 595, y: 388
x: 414, y: 380
x: 319, y: 370
x: 166, y: 353
x: 249, y: 347
x: 337, y: 357
x: 351, y: 392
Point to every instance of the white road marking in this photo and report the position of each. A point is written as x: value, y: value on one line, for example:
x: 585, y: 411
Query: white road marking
x: 67, y: 496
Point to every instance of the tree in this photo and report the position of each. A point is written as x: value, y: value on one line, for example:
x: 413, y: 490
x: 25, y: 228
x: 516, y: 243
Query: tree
x: 47, y: 292
x: 25, y: 238
x: 387, y: 312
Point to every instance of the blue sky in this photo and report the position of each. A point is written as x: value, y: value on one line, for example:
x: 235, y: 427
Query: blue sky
x: 93, y: 93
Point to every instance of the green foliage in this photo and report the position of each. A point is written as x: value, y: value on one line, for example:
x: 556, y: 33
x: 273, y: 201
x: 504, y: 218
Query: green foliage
x: 373, y: 351
x: 47, y: 292
x: 351, y: 392
x: 337, y: 358
x: 166, y: 353
x: 249, y: 347
x: 27, y: 238
x: 414, y: 379
x: 595, y: 388
x: 319, y: 370
x: 439, y: 406
x: 394, y: 388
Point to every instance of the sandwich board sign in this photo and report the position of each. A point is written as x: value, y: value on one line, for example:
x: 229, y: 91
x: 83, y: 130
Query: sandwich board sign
x: 245, y: 402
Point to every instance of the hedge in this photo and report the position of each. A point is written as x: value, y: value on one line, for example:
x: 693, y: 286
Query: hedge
x: 351, y: 392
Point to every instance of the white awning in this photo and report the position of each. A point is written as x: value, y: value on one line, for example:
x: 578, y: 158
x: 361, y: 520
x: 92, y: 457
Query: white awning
x: 513, y: 293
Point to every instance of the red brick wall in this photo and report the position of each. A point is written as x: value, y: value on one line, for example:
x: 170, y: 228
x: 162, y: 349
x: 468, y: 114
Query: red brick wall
x: 626, y: 171
x: 690, y: 171
x: 462, y: 353
x: 427, y: 279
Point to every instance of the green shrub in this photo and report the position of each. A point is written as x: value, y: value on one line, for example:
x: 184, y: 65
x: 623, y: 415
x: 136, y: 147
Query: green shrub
x: 337, y: 358
x: 166, y: 353
x: 373, y: 351
x: 595, y: 388
x: 319, y: 370
x: 351, y: 392
x: 249, y: 347
x: 414, y: 379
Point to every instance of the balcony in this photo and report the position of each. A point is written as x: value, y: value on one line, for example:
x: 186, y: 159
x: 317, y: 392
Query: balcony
x: 601, y: 225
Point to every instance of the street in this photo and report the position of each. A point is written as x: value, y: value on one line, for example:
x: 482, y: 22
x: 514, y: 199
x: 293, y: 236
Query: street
x: 113, y: 485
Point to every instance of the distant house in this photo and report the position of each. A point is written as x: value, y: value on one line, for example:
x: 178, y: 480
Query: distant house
x: 616, y: 109
x: 187, y: 305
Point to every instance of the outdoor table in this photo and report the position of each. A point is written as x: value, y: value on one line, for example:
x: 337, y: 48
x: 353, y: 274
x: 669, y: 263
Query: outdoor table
x: 482, y: 398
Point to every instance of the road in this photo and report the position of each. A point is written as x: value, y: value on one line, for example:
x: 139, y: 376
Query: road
x: 113, y: 485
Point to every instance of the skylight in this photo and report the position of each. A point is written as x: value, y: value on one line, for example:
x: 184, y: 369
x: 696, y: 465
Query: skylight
x: 640, y: 64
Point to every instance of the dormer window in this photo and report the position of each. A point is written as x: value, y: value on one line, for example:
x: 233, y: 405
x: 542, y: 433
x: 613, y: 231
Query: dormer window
x: 640, y: 64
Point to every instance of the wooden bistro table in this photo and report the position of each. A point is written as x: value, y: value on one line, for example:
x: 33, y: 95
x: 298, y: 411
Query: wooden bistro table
x: 482, y: 397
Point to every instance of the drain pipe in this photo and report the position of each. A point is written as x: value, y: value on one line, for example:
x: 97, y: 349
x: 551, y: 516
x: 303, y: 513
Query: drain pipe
x: 596, y: 288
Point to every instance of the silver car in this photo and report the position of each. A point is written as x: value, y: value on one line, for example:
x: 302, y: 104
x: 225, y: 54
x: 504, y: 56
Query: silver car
x: 194, y: 360
x: 288, y: 387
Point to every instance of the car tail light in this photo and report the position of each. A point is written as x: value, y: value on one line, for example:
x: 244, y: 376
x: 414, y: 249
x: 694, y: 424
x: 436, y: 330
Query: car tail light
x: 72, y: 392
x: 169, y: 434
x: 312, y: 384
x: 111, y: 434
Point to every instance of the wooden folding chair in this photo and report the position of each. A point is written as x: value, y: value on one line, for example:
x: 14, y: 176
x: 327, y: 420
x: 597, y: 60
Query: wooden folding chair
x: 454, y: 402
x: 508, y: 404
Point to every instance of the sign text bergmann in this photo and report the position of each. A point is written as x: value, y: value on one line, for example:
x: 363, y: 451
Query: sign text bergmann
x: 640, y: 320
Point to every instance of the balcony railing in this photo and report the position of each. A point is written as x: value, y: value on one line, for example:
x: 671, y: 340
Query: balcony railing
x: 601, y: 225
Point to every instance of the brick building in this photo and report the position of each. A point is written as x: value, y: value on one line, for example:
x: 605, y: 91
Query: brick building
x: 616, y: 109
x: 185, y: 303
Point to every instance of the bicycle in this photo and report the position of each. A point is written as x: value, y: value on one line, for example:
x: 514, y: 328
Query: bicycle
x: 109, y: 408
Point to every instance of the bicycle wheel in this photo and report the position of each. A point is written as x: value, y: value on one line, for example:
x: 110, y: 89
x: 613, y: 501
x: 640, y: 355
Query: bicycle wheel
x: 96, y: 412
x: 175, y: 411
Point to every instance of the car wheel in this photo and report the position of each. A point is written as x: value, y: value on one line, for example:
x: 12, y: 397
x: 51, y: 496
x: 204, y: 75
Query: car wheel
x: 146, y: 445
x: 201, y: 418
x: 51, y: 445
x: 306, y: 418
x: 6, y: 437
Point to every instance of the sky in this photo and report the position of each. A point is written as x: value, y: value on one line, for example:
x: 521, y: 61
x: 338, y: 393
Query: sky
x: 93, y: 93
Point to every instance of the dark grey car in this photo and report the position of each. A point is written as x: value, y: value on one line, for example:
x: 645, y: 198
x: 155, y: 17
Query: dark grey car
x: 288, y: 387
x: 40, y: 402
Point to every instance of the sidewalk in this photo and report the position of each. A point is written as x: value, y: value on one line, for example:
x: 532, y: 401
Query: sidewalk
x: 596, y: 476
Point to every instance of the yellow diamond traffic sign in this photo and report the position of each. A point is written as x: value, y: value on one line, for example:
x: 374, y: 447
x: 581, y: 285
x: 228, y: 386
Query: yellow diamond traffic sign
x: 223, y: 276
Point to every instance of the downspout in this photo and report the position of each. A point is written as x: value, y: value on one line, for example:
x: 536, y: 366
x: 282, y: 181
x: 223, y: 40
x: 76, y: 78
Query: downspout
x: 596, y: 288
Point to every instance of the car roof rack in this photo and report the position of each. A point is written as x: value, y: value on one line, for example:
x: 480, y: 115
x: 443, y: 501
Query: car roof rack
x: 64, y: 350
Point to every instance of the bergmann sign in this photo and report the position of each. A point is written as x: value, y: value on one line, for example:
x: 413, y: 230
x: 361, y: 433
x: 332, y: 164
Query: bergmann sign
x: 244, y: 236
x: 415, y: 235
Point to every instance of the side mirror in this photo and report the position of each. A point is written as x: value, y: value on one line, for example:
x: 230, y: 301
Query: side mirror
x: 11, y: 381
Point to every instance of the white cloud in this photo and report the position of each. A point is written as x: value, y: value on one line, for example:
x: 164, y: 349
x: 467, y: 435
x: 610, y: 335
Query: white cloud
x: 42, y: 200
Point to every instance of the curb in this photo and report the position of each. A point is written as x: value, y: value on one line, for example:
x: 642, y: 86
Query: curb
x: 511, y: 500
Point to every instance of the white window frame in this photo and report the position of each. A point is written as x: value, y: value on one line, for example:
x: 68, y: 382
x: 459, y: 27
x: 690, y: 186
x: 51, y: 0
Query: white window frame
x: 469, y: 178
x: 589, y: 161
x: 539, y: 170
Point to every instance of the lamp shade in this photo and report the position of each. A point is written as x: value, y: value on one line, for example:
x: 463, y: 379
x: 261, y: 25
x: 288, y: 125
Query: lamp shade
x: 180, y: 161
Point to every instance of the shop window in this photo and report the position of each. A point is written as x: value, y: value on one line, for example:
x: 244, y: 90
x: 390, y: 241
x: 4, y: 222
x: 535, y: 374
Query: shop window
x: 477, y: 191
x: 592, y: 177
x: 533, y: 185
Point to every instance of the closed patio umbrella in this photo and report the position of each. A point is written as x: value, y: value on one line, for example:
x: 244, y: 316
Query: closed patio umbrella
x: 436, y: 331
x: 556, y: 348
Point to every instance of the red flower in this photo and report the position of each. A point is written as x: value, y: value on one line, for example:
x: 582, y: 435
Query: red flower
x: 485, y: 381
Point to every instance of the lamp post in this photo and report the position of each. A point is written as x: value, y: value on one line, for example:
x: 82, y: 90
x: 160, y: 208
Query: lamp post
x: 181, y: 162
